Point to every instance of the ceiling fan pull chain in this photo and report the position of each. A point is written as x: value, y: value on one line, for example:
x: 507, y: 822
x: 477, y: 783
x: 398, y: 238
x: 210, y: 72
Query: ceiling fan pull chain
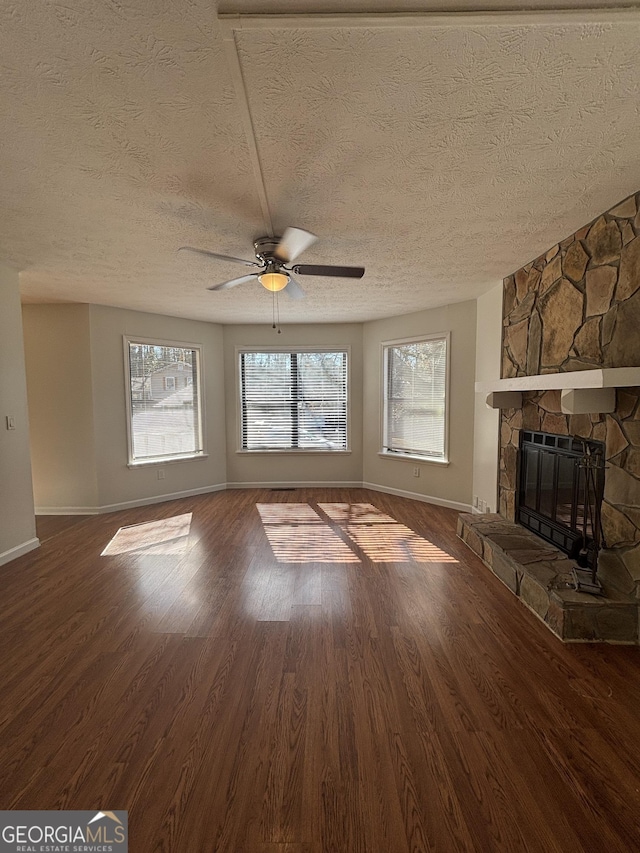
x: 275, y: 311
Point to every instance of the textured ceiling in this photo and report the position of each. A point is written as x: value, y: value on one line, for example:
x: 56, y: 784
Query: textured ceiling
x: 442, y: 155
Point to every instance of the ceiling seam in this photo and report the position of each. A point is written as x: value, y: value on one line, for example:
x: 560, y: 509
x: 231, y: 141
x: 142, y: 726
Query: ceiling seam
x: 393, y: 20
x: 235, y: 68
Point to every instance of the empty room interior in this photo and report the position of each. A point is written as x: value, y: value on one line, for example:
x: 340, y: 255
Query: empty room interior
x: 320, y: 424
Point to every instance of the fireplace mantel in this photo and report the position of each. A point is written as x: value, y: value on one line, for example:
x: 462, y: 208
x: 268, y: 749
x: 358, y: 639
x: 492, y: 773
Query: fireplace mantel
x: 583, y: 391
x: 601, y: 377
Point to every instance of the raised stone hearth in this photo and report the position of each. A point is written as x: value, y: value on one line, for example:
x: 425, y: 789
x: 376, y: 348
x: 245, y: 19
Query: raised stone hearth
x: 540, y: 576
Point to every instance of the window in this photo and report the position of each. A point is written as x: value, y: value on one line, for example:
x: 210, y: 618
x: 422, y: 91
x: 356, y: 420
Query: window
x: 293, y: 400
x: 415, y: 398
x: 165, y: 417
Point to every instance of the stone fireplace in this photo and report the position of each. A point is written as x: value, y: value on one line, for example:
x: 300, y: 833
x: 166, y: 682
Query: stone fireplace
x: 577, y: 308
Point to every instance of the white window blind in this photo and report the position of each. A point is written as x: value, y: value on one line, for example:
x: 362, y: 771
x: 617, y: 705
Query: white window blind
x: 293, y: 400
x: 415, y: 398
x: 164, y: 401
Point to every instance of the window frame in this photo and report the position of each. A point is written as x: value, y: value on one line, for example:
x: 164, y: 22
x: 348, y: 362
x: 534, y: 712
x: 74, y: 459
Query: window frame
x: 295, y: 451
x: 132, y: 462
x: 385, y: 346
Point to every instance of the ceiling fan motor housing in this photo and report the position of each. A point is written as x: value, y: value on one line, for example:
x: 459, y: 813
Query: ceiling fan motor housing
x: 265, y: 248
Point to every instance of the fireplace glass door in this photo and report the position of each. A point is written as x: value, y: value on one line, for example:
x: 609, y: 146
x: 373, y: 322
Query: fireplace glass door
x: 553, y: 492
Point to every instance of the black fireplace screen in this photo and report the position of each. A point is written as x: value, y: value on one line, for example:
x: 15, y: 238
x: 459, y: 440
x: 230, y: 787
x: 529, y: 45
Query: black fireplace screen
x: 553, y: 497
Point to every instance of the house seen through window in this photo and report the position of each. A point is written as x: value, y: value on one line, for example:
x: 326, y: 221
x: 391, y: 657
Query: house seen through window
x: 164, y: 400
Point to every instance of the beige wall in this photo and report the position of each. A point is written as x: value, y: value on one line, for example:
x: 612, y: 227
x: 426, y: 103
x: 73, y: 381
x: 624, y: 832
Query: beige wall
x: 487, y: 421
x: 76, y: 380
x: 17, y: 521
x: 448, y: 485
x: 293, y: 468
x: 98, y: 472
x: 117, y: 483
x: 58, y: 361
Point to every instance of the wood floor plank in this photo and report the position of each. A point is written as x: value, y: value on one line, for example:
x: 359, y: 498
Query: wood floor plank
x: 162, y: 811
x: 338, y: 674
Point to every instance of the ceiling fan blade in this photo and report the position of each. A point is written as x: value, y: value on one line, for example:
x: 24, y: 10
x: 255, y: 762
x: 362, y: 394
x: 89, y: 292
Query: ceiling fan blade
x: 293, y: 243
x: 217, y: 256
x: 293, y: 289
x: 234, y: 282
x: 321, y: 269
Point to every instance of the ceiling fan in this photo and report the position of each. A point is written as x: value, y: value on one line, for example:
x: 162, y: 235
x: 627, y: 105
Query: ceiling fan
x: 273, y: 255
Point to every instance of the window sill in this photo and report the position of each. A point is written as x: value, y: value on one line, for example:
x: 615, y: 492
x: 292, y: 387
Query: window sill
x: 292, y: 452
x: 168, y: 460
x: 405, y: 457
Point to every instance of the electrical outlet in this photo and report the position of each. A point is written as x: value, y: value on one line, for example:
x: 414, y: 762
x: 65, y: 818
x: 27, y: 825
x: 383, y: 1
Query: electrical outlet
x: 475, y: 501
x: 416, y: 471
x: 161, y: 473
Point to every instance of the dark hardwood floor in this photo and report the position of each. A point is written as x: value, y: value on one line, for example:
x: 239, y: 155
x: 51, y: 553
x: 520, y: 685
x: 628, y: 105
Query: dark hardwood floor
x: 297, y: 672
x: 48, y: 526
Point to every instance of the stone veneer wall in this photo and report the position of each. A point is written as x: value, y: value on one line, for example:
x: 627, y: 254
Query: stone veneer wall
x: 577, y: 307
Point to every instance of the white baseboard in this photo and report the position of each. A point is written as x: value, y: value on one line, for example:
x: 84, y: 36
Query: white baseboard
x: 19, y: 550
x: 154, y: 499
x: 158, y: 499
x: 416, y: 496
x: 286, y: 484
x: 67, y: 510
x: 297, y: 484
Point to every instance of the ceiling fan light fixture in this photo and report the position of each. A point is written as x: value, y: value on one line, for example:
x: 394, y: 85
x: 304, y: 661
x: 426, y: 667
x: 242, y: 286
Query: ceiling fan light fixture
x: 274, y: 281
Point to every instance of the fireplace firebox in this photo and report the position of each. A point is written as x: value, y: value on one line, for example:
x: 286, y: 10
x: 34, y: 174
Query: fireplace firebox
x: 560, y: 487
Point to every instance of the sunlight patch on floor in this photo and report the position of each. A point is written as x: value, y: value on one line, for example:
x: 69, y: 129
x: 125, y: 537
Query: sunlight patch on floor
x: 298, y: 534
x: 395, y: 543
x: 288, y: 514
x: 313, y: 543
x: 358, y: 513
x: 166, y: 536
x: 381, y: 537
